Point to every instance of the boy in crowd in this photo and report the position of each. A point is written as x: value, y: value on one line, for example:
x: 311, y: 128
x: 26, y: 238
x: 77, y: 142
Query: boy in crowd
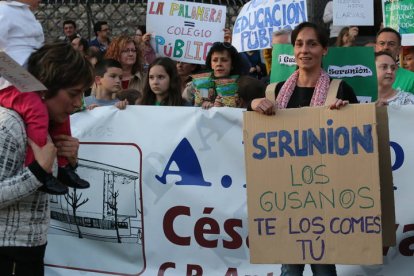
x: 108, y: 78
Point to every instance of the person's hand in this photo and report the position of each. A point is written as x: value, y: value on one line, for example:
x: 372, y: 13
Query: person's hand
x: 91, y: 106
x: 263, y: 106
x: 67, y: 146
x: 207, y: 105
x: 121, y: 104
x: 227, y: 35
x: 353, y: 31
x: 252, y: 69
x: 146, y: 37
x: 217, y: 102
x: 338, y: 104
x: 381, y: 102
x: 45, y: 155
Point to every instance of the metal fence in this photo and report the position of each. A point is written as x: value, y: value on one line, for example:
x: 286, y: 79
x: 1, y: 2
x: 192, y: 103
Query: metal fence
x: 124, y: 16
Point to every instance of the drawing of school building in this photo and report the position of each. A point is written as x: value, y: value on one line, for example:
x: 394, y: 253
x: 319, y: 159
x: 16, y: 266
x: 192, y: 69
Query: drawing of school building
x: 109, y: 210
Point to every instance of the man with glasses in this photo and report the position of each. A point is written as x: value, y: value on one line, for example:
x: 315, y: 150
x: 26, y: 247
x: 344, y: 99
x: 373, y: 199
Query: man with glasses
x: 101, y: 42
x: 389, y: 40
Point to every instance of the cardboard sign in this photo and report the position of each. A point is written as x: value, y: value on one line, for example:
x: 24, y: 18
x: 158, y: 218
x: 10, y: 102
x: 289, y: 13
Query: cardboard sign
x: 184, y: 31
x: 256, y: 22
x: 17, y: 75
x: 313, y: 186
x: 353, y: 12
x: 399, y: 15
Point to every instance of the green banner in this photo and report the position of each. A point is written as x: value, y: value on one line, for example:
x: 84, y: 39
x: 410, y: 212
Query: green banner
x: 356, y: 66
x: 399, y: 15
x: 283, y: 62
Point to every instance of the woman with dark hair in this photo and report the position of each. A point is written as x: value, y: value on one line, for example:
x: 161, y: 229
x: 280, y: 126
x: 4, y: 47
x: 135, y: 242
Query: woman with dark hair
x: 386, y: 67
x: 124, y: 50
x: 307, y: 86
x: 163, y: 84
x: 24, y: 208
x: 218, y: 87
x: 223, y: 51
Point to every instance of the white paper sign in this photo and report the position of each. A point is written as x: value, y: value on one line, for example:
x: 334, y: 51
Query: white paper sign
x: 18, y: 76
x: 353, y: 12
x: 184, y: 31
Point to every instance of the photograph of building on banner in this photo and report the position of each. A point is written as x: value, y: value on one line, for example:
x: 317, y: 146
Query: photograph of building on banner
x: 258, y: 20
x: 399, y: 15
x: 314, y: 186
x: 353, y: 13
x: 108, y: 215
x: 184, y: 31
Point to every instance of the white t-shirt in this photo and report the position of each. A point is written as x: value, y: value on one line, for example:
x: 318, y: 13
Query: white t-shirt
x: 401, y: 98
x: 20, y: 32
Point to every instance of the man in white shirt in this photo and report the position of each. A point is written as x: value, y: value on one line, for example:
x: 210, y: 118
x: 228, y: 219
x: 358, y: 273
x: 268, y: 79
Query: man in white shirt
x: 20, y: 32
x: 328, y: 19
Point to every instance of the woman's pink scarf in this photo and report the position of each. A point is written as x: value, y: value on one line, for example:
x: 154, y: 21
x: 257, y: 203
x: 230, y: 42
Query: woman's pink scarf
x: 319, y: 95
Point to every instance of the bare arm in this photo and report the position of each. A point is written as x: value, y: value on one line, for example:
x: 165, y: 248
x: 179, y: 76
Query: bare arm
x: 328, y: 13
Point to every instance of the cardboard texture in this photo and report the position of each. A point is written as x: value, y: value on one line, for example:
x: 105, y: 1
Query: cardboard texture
x: 313, y: 186
x: 18, y: 76
x: 387, y: 188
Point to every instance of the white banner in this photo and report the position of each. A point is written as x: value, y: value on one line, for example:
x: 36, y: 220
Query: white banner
x: 168, y: 196
x: 258, y: 20
x: 353, y: 12
x: 184, y: 31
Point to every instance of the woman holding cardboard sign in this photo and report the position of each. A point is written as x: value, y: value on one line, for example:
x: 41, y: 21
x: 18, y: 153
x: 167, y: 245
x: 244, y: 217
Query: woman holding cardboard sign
x: 307, y: 86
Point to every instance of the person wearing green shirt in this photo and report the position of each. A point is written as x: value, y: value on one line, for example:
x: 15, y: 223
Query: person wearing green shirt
x: 389, y: 40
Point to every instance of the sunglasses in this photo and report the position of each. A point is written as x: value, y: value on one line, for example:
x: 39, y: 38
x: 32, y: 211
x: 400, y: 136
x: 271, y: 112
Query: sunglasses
x: 224, y: 44
x: 129, y: 51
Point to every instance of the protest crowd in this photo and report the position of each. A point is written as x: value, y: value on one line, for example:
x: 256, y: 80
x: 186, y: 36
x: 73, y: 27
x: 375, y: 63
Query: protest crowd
x: 82, y: 75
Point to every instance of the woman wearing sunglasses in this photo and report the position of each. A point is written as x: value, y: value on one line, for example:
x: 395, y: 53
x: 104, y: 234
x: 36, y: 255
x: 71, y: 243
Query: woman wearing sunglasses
x: 218, y: 87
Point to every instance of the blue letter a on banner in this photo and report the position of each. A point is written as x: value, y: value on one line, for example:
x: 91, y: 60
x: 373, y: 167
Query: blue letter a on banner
x: 188, y: 166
